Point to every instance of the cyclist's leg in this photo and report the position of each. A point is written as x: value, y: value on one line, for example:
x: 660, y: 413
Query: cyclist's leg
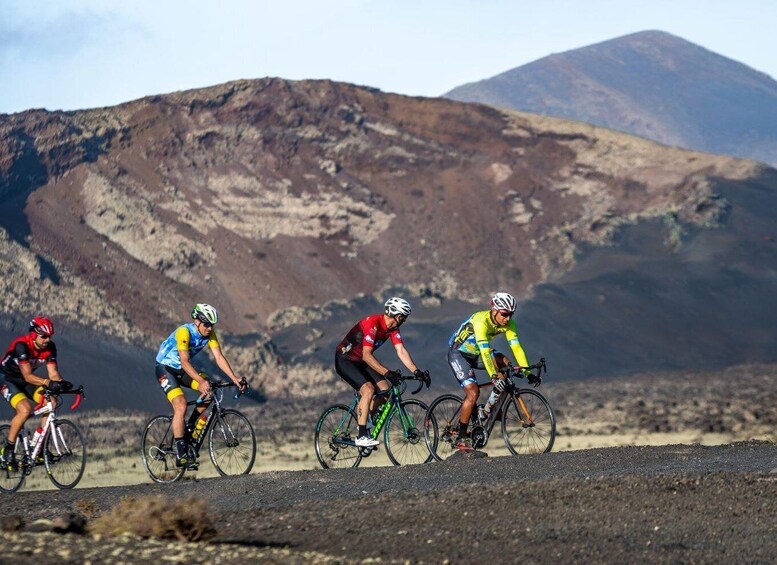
x: 15, y: 394
x: 464, y: 371
x: 170, y: 382
x: 382, y: 384
x: 356, y: 376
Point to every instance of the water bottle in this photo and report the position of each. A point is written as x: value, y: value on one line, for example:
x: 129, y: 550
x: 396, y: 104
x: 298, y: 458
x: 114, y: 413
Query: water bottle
x: 199, y: 426
x: 482, y: 414
x: 490, y: 403
x: 36, y: 437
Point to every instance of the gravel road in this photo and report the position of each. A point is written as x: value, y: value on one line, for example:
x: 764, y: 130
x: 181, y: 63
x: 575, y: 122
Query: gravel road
x: 667, y: 504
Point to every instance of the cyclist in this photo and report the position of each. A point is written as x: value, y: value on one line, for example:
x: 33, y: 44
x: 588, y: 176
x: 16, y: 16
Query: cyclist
x: 356, y: 364
x: 20, y: 386
x: 470, y: 349
x: 174, y: 370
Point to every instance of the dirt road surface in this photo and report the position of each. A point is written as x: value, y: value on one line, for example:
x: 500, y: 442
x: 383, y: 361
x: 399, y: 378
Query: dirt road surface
x: 668, y: 504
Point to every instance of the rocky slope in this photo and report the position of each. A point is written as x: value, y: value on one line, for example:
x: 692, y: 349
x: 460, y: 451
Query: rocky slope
x: 269, y: 197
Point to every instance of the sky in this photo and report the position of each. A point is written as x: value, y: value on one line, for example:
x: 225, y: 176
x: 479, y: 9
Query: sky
x: 79, y: 54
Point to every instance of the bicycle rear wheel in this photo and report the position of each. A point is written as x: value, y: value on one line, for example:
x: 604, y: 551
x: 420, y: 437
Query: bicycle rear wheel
x: 528, y: 423
x: 441, y: 426
x: 232, y: 444
x: 64, y: 454
x: 158, y: 452
x: 404, y: 437
x: 336, y: 424
x: 11, y: 479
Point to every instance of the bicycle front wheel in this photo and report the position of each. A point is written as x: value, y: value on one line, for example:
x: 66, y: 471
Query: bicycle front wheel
x: 11, y: 479
x: 64, y: 454
x: 441, y: 426
x: 335, y: 426
x: 404, y: 435
x: 158, y: 452
x: 528, y: 423
x: 232, y: 444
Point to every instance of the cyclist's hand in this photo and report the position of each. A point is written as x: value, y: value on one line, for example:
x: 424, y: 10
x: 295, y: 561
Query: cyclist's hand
x: 394, y: 377
x: 242, y: 385
x: 534, y: 380
x: 500, y: 385
x: 60, y: 386
x: 423, y: 376
x: 204, y: 388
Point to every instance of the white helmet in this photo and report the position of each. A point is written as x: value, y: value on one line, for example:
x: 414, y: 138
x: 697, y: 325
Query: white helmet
x: 503, y: 301
x: 205, y: 313
x: 397, y: 306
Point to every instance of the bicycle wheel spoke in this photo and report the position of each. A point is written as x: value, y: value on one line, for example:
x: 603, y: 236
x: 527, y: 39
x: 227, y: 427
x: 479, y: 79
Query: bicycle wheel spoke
x: 442, y: 426
x: 528, y: 424
x: 404, y: 436
x: 158, y: 451
x: 337, y: 424
x: 232, y: 444
x: 11, y: 479
x: 64, y: 454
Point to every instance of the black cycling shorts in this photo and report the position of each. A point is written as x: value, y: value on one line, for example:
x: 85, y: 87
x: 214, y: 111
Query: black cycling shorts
x: 171, y: 380
x: 356, y: 374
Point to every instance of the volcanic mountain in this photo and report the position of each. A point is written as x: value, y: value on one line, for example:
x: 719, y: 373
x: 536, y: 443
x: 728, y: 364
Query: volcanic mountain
x: 297, y: 207
x: 650, y: 84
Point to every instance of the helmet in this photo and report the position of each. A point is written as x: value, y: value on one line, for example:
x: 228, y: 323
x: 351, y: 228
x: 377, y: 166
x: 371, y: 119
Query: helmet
x: 397, y: 306
x: 42, y: 326
x: 205, y: 313
x: 503, y: 301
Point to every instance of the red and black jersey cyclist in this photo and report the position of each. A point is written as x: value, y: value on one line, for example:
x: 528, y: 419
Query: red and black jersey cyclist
x: 19, y: 385
x: 356, y: 364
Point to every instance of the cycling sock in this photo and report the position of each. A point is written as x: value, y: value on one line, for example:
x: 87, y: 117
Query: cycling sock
x: 463, y: 429
x: 180, y: 447
x: 362, y: 430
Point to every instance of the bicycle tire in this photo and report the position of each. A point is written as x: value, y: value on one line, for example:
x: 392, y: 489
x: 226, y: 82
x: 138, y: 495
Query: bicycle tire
x: 411, y: 449
x: 535, y: 432
x: 12, y: 480
x: 64, y: 454
x: 441, y: 426
x: 158, y: 452
x: 232, y: 443
x: 337, y: 421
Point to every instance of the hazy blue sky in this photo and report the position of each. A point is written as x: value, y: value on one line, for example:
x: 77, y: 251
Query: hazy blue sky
x: 71, y: 54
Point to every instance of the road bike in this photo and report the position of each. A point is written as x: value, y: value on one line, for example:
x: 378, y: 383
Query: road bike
x: 403, y: 434
x: 60, y: 446
x: 231, y: 439
x: 528, y: 422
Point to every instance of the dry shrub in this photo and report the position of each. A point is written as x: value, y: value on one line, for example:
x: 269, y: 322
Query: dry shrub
x: 157, y: 517
x: 87, y: 507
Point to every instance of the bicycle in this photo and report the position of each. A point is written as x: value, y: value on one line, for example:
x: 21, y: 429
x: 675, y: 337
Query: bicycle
x: 231, y: 440
x: 337, y: 429
x: 60, y: 447
x: 528, y: 422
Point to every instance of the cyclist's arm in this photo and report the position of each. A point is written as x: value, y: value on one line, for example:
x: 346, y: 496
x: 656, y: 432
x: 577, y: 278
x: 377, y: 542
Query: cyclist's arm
x: 369, y: 358
x: 223, y: 364
x: 404, y: 356
x: 29, y: 377
x: 188, y: 368
x: 481, y: 338
x: 512, y: 340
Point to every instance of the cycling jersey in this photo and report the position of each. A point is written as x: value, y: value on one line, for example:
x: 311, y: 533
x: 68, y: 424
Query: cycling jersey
x: 369, y: 332
x: 474, y: 336
x: 22, y: 351
x: 186, y: 338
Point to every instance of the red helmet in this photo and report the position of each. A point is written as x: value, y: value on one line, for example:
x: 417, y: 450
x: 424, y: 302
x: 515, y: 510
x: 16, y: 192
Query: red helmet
x: 42, y: 326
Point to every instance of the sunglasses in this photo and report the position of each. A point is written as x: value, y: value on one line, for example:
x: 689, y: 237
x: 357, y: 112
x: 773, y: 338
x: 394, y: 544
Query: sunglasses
x: 505, y: 313
x: 400, y: 318
x: 206, y: 324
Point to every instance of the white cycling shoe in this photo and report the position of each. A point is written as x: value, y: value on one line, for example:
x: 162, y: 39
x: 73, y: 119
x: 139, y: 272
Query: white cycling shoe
x: 365, y: 441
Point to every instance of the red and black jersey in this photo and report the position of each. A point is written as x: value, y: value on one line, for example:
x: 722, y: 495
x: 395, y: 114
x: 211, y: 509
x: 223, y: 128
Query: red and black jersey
x: 371, y: 332
x: 23, y: 350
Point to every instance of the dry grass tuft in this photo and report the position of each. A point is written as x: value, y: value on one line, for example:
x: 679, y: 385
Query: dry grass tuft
x: 87, y: 507
x: 157, y: 517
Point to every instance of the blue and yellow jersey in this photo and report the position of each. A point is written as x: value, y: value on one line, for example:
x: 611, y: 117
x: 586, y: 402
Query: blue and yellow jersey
x: 474, y: 338
x: 187, y: 338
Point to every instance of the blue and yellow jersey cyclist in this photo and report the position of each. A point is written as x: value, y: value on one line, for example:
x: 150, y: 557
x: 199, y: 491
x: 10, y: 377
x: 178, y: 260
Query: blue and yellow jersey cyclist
x: 470, y: 349
x: 175, y: 370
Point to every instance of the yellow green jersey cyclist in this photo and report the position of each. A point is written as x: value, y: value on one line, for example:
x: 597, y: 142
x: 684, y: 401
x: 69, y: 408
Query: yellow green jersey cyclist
x: 470, y: 349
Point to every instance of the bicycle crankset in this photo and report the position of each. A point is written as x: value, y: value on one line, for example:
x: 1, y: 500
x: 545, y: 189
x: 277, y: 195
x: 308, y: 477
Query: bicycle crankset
x: 479, y: 436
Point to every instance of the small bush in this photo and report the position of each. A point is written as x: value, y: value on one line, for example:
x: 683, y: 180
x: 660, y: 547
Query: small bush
x: 87, y: 507
x: 157, y: 517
